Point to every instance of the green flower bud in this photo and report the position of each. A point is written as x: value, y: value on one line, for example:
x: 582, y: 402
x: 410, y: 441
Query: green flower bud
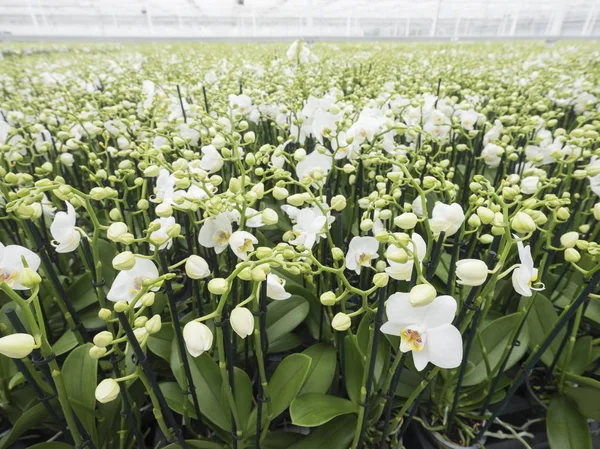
x: 218, y: 286
x: 572, y: 255
x: 341, y: 322
x: 422, y: 294
x: 569, y: 240
x: 522, y: 223
x: 328, y: 298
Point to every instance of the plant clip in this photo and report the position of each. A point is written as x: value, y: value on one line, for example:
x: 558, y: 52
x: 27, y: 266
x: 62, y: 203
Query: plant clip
x: 138, y: 361
x: 262, y: 399
x: 46, y: 397
x: 102, y: 283
x: 260, y: 313
x: 116, y: 360
x: 43, y: 361
x: 84, y: 444
x: 235, y: 436
x: 221, y: 323
x: 428, y: 376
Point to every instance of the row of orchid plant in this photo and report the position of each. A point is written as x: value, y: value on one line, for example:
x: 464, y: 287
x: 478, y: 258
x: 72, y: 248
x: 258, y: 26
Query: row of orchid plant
x: 286, y: 247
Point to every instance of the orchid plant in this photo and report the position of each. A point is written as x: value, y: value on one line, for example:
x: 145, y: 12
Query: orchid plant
x: 291, y: 247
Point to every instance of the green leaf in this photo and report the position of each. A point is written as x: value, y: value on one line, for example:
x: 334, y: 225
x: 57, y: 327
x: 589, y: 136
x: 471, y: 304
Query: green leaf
x: 586, y: 399
x: 281, y: 440
x: 313, y: 320
x: 80, y: 376
x: 160, y: 343
x: 242, y: 395
x: 285, y: 343
x: 315, y: 409
x: 82, y: 292
x: 581, y: 356
x: 495, y: 336
x: 207, y: 382
x: 284, y: 386
x: 176, y: 399
x: 16, y: 380
x: 196, y: 444
x: 32, y: 418
x: 65, y: 343
x: 336, y: 434
x: 51, y: 445
x: 284, y: 316
x: 322, y: 369
x: 542, y: 317
x: 107, y: 252
x: 567, y: 428
x: 353, y: 368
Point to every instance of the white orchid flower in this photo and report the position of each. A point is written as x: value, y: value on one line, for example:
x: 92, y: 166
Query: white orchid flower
x: 276, y: 287
x: 253, y: 218
x: 211, y: 161
x: 530, y: 184
x: 66, y: 237
x: 164, y: 187
x: 361, y: 251
x: 160, y: 237
x: 242, y: 243
x: 403, y: 271
x: 313, y: 162
x: 215, y: 233
x: 128, y: 283
x: 468, y: 119
x: 447, y: 218
x: 308, y: 227
x: 492, y: 155
x: 425, y: 330
x: 11, y: 264
x: 525, y: 274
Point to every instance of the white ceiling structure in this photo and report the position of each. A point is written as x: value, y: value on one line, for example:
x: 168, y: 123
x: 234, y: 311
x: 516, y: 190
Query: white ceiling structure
x: 377, y: 19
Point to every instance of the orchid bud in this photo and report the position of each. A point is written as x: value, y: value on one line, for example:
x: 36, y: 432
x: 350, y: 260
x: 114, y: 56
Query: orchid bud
x: 471, y: 272
x: 337, y: 253
x: 269, y: 216
x: 153, y: 325
x: 103, y: 339
x: 242, y: 321
x: 198, y: 338
x: 196, y: 267
x: 218, y: 286
x: 485, y: 214
x: 29, y: 278
x: 124, y: 261
x: 569, y: 240
x: 341, y: 322
x: 147, y: 299
x: 338, y: 203
x: 572, y: 255
x: 407, y: 220
x: 280, y: 193
x: 104, y: 314
x: 108, y: 390
x: 164, y: 210
x: 596, y: 211
x: 522, y: 223
x: 422, y: 294
x: 17, y: 346
x: 116, y: 230
x: 97, y: 352
x: 328, y: 298
x: 380, y: 280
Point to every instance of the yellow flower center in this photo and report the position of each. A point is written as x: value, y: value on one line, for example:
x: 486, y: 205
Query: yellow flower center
x: 8, y: 278
x: 246, y: 246
x: 412, y: 339
x: 533, y: 279
x: 137, y: 285
x: 364, y: 259
x: 222, y: 237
